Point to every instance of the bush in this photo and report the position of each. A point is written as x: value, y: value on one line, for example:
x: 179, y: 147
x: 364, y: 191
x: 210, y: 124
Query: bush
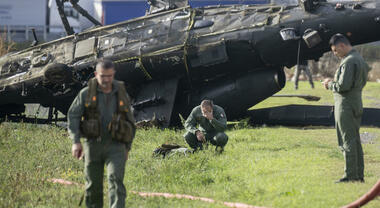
x: 328, y: 63
x: 5, y: 47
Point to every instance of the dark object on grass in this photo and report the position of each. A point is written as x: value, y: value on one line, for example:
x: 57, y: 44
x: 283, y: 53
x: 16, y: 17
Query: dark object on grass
x: 166, y: 150
x: 306, y: 97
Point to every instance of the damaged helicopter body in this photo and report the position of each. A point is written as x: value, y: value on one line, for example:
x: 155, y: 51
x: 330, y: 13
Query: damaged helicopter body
x: 171, y: 60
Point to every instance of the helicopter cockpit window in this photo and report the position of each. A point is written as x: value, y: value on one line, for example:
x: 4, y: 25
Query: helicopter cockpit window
x: 289, y: 34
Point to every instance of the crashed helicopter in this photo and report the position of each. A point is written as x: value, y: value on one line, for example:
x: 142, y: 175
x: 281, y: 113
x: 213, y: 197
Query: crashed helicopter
x: 175, y: 55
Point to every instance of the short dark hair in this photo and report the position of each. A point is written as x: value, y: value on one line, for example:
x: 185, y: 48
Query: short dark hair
x: 207, y: 102
x: 105, y: 64
x: 338, y: 38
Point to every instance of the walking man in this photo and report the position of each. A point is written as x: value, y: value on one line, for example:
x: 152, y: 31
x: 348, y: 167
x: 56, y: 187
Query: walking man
x: 303, y: 66
x: 102, y: 114
x: 206, y: 123
x: 349, y: 80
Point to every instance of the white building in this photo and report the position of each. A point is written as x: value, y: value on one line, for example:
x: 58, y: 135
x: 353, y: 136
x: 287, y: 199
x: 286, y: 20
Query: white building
x: 18, y: 17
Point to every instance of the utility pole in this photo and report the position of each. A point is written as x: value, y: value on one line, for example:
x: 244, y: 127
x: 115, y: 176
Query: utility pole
x: 47, y: 21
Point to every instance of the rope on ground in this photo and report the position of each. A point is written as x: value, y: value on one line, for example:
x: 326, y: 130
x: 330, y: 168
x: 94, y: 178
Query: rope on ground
x: 166, y: 195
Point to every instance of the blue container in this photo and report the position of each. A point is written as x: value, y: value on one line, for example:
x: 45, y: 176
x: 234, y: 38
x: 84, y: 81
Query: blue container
x: 202, y: 3
x: 118, y: 10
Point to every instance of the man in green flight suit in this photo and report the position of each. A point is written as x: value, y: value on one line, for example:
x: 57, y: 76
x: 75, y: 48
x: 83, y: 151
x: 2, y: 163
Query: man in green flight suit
x: 212, y: 122
x: 303, y: 66
x: 349, y: 80
x: 92, y: 115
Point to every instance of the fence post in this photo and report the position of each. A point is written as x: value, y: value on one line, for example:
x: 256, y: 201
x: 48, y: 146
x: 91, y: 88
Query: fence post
x: 26, y: 32
x: 45, y: 33
x: 9, y: 33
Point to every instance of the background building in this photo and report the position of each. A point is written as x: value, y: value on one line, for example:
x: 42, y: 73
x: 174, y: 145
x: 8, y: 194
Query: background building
x: 21, y: 15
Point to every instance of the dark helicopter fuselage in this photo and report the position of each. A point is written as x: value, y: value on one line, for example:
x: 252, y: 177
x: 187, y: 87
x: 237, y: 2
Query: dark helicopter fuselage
x: 172, y: 60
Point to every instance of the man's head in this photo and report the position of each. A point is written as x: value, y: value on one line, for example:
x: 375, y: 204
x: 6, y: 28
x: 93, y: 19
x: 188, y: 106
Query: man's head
x: 340, y: 45
x: 104, y: 73
x: 206, y: 106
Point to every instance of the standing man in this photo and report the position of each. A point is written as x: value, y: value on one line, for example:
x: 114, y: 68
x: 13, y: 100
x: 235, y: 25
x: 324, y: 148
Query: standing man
x: 303, y: 66
x: 102, y: 114
x: 212, y: 122
x: 349, y: 80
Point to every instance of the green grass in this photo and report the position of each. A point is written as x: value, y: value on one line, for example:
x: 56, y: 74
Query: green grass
x: 270, y: 167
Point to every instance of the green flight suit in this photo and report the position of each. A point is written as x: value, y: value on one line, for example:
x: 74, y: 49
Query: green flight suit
x: 303, y: 66
x: 349, y: 80
x: 213, y: 130
x: 100, y: 151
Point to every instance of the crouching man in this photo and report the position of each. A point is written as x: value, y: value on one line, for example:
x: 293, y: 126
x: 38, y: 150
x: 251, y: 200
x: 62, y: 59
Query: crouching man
x: 206, y: 123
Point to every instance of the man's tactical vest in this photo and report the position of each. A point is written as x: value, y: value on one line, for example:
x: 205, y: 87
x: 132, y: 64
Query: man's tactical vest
x: 122, y: 126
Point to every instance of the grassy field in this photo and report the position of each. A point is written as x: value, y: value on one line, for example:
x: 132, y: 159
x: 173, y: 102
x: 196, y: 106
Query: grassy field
x: 269, y: 167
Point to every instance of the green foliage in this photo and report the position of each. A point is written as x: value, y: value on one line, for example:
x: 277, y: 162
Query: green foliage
x: 183, y: 120
x: 328, y: 63
x: 5, y: 47
x: 271, y: 167
x: 371, y: 52
x: 241, y: 124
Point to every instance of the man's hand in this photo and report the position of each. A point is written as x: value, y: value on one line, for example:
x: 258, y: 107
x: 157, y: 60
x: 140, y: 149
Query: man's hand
x: 208, y: 114
x: 126, y: 155
x: 326, y: 82
x: 200, y: 136
x: 77, y: 150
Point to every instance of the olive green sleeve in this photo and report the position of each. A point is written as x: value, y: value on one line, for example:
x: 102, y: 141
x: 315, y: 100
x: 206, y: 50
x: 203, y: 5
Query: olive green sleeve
x: 345, y: 80
x: 130, y: 116
x: 220, y: 121
x: 191, y: 123
x: 74, y: 116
